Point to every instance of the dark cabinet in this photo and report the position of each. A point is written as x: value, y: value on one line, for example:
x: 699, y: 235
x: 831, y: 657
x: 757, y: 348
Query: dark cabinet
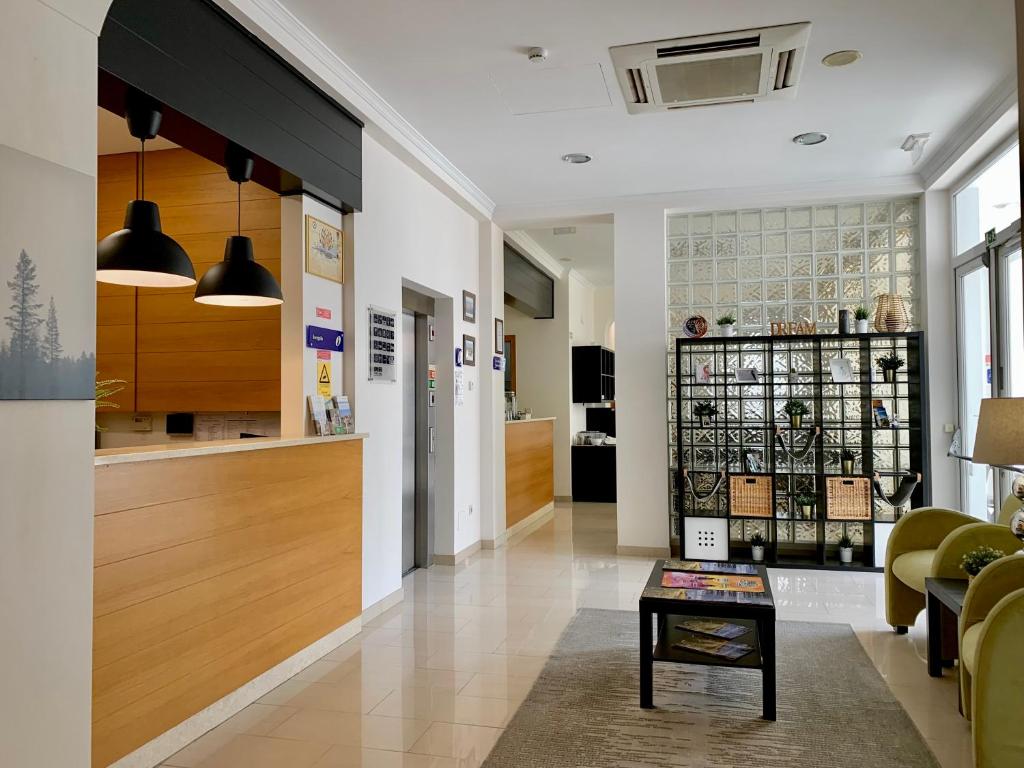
x: 593, y: 473
x: 593, y: 375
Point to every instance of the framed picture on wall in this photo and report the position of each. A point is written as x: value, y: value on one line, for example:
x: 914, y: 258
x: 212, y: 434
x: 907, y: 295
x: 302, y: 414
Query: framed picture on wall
x: 324, y: 249
x: 469, y: 307
x: 468, y: 350
x: 499, y: 336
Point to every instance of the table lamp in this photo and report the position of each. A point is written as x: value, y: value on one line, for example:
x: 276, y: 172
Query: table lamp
x: 999, y: 442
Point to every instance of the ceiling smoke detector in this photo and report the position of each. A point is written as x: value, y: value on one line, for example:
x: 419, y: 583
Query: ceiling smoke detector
x: 841, y: 58
x: 810, y: 139
x: 576, y: 158
x: 564, y: 231
x: 748, y: 65
x: 537, y: 55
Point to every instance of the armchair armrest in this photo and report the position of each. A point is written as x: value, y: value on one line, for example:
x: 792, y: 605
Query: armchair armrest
x: 962, y: 540
x: 1010, y: 505
x: 923, y: 528
x: 995, y: 582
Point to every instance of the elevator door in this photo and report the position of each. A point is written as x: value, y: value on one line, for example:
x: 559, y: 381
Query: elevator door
x: 408, y: 441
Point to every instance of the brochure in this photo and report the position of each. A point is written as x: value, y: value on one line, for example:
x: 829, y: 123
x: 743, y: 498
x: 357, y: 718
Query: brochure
x: 881, y: 415
x: 722, y: 629
x: 710, y: 646
x: 707, y: 566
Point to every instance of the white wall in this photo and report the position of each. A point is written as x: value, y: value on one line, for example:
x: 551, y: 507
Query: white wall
x: 543, y: 370
x: 408, y: 230
x: 48, y: 90
x: 604, y: 315
x: 492, y: 385
x: 640, y: 363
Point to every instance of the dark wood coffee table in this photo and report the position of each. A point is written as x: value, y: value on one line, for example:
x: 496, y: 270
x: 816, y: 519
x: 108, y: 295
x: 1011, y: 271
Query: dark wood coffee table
x: 756, y: 612
x: 945, y: 601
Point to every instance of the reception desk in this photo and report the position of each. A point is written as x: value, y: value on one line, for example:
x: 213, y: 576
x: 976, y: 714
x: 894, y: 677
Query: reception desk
x: 214, y: 563
x: 529, y: 468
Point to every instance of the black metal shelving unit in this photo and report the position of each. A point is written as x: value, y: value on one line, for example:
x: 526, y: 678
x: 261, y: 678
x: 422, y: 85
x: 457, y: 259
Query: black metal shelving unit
x: 750, y: 418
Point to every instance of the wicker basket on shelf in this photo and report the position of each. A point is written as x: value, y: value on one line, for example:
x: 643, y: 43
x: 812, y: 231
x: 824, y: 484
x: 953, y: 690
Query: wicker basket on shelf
x: 750, y: 495
x: 849, y: 498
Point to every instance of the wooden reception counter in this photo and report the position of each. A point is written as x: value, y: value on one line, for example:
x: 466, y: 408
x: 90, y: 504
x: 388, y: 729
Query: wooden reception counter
x: 214, y: 563
x: 529, y: 468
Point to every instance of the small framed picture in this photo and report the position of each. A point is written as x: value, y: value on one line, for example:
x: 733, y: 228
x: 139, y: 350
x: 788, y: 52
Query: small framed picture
x: 324, y: 250
x: 702, y: 373
x: 468, y: 350
x: 499, y: 336
x: 746, y: 376
x: 469, y: 307
x: 841, y: 370
x: 753, y: 461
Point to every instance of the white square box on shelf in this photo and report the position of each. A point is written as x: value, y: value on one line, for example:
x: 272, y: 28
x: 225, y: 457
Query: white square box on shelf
x: 705, y: 538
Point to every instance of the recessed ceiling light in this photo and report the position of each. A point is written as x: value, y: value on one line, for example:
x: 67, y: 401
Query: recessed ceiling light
x: 577, y: 158
x: 841, y: 58
x: 810, y: 139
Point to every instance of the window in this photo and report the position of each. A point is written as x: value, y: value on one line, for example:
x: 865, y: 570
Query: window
x: 990, y: 201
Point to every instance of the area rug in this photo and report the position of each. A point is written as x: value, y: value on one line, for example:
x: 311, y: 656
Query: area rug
x: 834, y: 710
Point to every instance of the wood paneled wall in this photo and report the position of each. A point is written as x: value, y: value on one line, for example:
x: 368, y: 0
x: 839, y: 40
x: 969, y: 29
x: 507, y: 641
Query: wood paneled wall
x: 529, y: 468
x: 175, y: 354
x: 210, y: 570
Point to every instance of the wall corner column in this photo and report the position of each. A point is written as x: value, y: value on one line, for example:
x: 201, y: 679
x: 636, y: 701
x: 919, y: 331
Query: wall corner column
x: 492, y: 386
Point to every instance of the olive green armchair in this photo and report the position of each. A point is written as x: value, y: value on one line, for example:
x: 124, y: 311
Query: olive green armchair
x: 930, y: 542
x: 1010, y: 505
x: 991, y: 668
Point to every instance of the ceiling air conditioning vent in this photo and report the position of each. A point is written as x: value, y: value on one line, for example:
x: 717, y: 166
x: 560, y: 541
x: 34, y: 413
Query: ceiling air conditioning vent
x: 748, y: 65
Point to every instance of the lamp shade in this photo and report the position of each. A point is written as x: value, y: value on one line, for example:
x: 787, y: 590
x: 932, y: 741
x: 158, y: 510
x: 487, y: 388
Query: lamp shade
x: 1000, y: 436
x: 239, y: 280
x: 141, y: 254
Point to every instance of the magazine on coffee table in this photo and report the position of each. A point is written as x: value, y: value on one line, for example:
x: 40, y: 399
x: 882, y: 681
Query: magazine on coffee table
x: 720, y: 629
x: 707, y: 566
x: 711, y: 646
x: 683, y: 580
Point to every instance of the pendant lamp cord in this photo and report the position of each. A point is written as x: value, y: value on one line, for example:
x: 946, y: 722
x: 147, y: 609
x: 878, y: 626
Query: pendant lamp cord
x: 239, y: 208
x: 140, y: 183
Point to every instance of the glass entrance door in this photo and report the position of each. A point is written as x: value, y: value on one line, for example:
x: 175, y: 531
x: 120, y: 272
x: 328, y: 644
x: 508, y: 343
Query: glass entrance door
x: 975, y: 361
x: 1010, y: 377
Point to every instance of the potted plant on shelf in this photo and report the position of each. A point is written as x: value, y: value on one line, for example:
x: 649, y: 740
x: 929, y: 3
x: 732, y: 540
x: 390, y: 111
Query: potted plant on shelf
x: 972, y: 562
x: 727, y: 325
x: 806, y: 503
x: 847, y: 457
x: 705, y: 410
x: 796, y: 410
x: 757, y: 547
x: 845, y: 549
x: 890, y: 362
x: 862, y: 315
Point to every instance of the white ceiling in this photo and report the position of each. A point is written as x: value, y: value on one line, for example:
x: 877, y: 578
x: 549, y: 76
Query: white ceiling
x: 590, y: 250
x: 456, y: 70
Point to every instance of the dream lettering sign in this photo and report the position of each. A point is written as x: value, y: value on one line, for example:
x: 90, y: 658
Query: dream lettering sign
x: 382, y: 345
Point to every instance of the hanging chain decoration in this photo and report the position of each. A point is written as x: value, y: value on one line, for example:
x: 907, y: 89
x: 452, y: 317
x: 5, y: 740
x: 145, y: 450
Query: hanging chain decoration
x: 693, y: 491
x: 803, y: 451
x: 899, y: 499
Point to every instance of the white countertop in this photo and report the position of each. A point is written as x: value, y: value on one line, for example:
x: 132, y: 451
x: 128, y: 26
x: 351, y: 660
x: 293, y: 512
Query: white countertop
x: 107, y: 456
x: 535, y: 418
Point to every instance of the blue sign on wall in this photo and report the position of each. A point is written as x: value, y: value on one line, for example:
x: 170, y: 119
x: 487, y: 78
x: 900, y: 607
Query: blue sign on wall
x: 325, y: 338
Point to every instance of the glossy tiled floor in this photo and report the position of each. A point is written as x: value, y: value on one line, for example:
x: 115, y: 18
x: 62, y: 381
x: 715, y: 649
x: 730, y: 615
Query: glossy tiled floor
x: 432, y: 682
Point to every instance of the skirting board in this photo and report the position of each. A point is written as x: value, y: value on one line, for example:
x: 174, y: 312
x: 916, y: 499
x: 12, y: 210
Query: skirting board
x: 528, y: 524
x: 644, y: 551
x: 495, y: 543
x: 458, y: 557
x: 563, y: 499
x: 389, y: 601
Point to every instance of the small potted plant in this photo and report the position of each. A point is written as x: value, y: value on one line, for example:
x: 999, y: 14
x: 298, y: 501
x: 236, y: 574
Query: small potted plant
x: 727, y: 325
x: 806, y: 503
x: 847, y: 457
x: 890, y: 362
x: 845, y: 549
x: 862, y: 314
x: 796, y: 410
x: 973, y: 561
x: 705, y: 410
x: 757, y: 547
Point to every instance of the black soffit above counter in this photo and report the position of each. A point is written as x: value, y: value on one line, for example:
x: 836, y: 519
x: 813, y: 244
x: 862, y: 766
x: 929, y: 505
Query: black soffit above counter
x: 219, y: 84
x: 527, y: 288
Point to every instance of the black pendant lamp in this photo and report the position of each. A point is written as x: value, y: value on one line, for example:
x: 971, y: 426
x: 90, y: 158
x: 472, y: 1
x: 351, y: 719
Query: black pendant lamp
x: 239, y: 281
x: 140, y: 254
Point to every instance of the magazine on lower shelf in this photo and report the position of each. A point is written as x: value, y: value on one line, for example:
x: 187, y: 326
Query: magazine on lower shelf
x: 720, y: 629
x: 712, y: 646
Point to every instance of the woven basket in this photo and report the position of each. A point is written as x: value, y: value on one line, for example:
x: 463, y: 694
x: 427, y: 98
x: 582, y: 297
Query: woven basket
x: 750, y: 495
x: 849, y: 498
x: 891, y: 314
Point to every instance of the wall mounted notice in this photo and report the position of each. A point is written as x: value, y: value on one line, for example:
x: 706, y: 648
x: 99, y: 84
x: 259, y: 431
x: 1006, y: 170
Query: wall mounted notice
x: 325, y: 338
x: 323, y: 378
x: 381, y: 345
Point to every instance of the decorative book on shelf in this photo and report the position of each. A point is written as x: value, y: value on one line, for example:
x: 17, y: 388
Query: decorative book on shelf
x: 751, y: 469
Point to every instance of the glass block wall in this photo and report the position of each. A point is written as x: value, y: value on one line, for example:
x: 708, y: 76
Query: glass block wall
x: 796, y: 264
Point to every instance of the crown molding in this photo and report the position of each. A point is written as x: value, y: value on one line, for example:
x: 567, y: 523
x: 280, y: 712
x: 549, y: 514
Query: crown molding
x: 576, y: 275
x: 991, y: 113
x: 535, y: 252
x: 279, y: 28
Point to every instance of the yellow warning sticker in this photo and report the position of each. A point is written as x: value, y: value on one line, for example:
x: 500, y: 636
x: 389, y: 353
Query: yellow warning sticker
x: 323, y: 377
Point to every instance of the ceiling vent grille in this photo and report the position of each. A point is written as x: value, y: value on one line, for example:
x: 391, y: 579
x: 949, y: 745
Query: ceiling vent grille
x: 748, y: 65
